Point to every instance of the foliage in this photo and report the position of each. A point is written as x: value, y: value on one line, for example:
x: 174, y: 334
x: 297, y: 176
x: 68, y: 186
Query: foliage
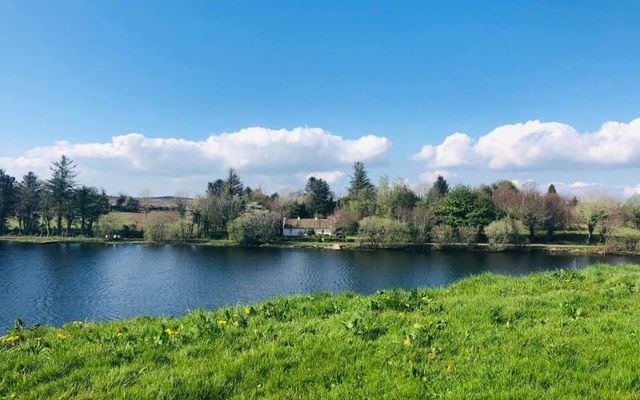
x: 503, y: 231
x: 603, y: 212
x: 61, y: 185
x: 109, y: 224
x: 465, y: 206
x: 443, y: 235
x: 559, y: 334
x: 28, y: 204
x: 468, y: 234
x: 318, y: 198
x: 158, y: 228
x: 381, y: 232
x: 255, y: 228
x: 8, y: 191
x: 422, y: 222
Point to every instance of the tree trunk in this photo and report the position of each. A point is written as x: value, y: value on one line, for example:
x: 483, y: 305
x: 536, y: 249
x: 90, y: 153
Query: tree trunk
x: 59, y: 224
x: 532, y: 233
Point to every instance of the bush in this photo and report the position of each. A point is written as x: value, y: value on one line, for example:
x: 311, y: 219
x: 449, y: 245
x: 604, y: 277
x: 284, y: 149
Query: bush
x: 109, y: 224
x: 254, y: 228
x: 443, y: 235
x: 503, y: 231
x: 377, y: 231
x: 157, y: 228
x: 468, y: 234
x: 622, y: 241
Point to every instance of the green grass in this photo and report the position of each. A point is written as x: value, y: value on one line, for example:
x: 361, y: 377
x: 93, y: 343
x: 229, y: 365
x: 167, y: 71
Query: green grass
x: 563, y: 334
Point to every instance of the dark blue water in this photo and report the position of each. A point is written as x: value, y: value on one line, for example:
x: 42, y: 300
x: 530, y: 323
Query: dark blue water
x: 58, y: 283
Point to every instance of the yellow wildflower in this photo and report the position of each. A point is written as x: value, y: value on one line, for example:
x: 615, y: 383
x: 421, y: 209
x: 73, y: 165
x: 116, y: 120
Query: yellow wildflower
x: 247, y: 310
x: 10, y: 339
x: 401, y: 314
x: 119, y: 334
x: 169, y: 331
x: 222, y: 322
x: 61, y: 335
x: 406, y: 342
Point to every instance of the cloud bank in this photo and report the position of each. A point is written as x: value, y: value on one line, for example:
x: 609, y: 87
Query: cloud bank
x: 256, y: 150
x: 536, y: 146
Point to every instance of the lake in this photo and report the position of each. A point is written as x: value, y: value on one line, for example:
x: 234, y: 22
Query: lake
x: 58, y: 283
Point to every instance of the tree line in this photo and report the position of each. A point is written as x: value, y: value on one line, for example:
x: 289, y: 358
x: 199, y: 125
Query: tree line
x: 52, y: 206
x: 378, y: 214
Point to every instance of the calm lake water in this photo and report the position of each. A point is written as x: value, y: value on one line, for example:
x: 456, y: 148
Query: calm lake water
x: 58, y: 283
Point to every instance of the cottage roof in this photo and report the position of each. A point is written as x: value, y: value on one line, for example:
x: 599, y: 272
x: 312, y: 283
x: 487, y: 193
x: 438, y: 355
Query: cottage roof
x: 307, y: 223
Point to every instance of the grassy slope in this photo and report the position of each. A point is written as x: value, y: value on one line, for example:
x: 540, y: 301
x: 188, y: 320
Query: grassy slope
x: 551, y: 335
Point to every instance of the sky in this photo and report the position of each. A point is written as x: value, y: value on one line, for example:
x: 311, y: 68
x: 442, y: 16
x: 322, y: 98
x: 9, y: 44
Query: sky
x: 162, y: 97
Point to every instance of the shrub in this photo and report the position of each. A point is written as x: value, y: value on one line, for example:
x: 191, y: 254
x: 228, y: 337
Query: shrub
x: 157, y: 228
x: 109, y: 224
x: 468, y: 234
x: 503, y: 231
x: 254, y: 228
x: 377, y: 231
x: 443, y: 235
x: 622, y: 241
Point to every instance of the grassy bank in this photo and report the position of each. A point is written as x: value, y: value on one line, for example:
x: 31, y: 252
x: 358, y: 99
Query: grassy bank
x: 307, y: 244
x: 565, y: 334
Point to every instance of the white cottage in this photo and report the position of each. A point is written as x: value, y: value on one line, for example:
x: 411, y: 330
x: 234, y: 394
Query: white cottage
x: 300, y: 226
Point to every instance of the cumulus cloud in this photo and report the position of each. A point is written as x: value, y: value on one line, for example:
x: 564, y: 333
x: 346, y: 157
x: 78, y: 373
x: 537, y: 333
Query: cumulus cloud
x: 536, y: 145
x: 431, y: 176
x: 253, y: 150
x: 329, y: 176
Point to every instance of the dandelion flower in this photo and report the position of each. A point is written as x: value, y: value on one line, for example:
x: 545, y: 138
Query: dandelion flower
x: 406, y: 342
x: 61, y: 335
x: 222, y: 322
x: 169, y: 331
x: 247, y: 310
x: 10, y: 339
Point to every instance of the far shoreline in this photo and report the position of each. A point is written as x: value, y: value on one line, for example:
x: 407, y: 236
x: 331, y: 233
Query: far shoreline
x: 333, y: 245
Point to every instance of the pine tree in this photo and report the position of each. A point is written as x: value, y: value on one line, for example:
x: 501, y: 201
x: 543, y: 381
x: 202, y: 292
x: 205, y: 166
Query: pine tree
x: 7, y: 198
x: 233, y: 184
x: 319, y: 198
x: 61, y: 187
x: 360, y: 179
x: 28, y: 205
x: 441, y: 186
x: 552, y: 189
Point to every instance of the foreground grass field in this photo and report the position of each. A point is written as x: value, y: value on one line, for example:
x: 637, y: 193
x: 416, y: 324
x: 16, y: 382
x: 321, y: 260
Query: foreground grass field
x: 563, y: 334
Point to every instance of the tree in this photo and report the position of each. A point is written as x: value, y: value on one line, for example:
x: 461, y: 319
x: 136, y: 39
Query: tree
x: 601, y: 212
x: 552, y: 189
x: 254, y: 228
x: 361, y: 194
x: 440, y: 186
x: 464, y: 206
x: 503, y: 231
x: 530, y: 208
x: 632, y: 210
x: 216, y: 187
x: 28, y: 204
x: 90, y: 204
x: 556, y: 214
x: 377, y: 231
x: 233, y: 184
x: 505, y: 197
x: 8, y: 192
x: 402, y: 200
x: 423, y: 220
x: 61, y: 187
x: 318, y: 197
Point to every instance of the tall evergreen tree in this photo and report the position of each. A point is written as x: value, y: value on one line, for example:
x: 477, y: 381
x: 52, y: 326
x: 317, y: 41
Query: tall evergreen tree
x: 61, y: 185
x: 8, y: 193
x: 216, y: 187
x: 233, y: 185
x: 552, y: 189
x: 359, y: 179
x: 318, y: 197
x: 441, y: 186
x: 28, y: 205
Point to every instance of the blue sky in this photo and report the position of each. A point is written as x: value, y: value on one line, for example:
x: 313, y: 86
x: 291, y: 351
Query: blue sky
x: 412, y: 73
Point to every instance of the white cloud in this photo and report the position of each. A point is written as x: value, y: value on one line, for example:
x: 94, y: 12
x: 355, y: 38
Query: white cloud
x: 253, y: 150
x: 536, y: 145
x: 329, y: 176
x: 629, y: 191
x: 431, y: 176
